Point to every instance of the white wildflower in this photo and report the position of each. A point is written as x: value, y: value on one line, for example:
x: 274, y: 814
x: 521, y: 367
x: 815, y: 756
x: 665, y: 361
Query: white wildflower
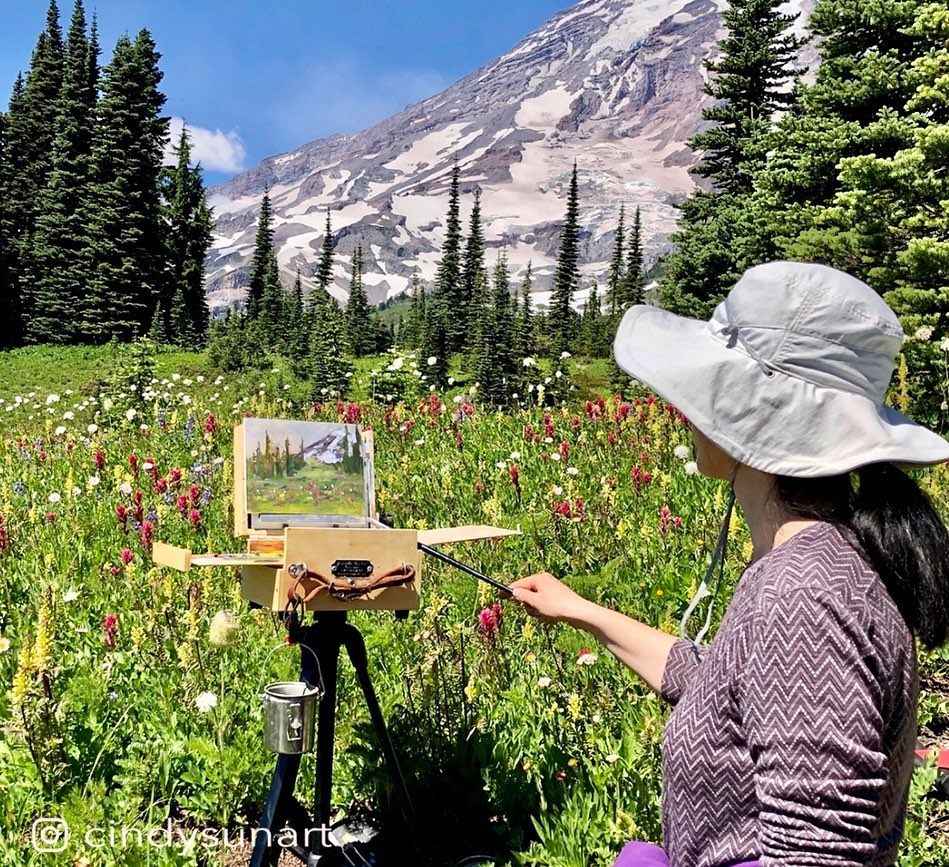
x: 130, y: 414
x: 431, y: 360
x: 573, y: 471
x: 205, y: 700
x: 691, y: 468
x: 126, y: 488
x: 681, y: 452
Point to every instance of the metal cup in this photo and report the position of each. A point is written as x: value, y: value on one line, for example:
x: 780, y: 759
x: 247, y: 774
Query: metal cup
x: 290, y: 716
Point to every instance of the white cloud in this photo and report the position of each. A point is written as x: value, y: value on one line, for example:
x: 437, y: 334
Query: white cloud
x: 216, y: 150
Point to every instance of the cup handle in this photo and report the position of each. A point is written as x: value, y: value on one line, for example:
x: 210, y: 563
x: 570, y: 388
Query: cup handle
x: 295, y: 722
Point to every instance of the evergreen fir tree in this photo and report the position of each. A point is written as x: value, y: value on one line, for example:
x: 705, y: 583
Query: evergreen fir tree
x: 59, y: 270
x: 328, y: 358
x: 188, y: 233
x: 593, y: 328
x: 876, y: 119
x: 296, y: 335
x: 748, y: 84
x: 92, y: 65
x: 414, y: 329
x: 30, y: 132
x: 360, y: 335
x: 448, y: 282
x: 324, y: 269
x: 473, y: 274
x: 263, y: 261
x: 272, y: 316
x: 635, y: 277
x: 7, y: 335
x: 435, y: 347
x: 561, y: 317
x: 616, y: 282
x: 496, y: 365
x: 524, y: 327
x: 181, y: 326
x: 126, y: 227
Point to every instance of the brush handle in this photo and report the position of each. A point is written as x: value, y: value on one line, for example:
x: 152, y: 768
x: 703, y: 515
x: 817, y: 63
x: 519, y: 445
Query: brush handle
x: 474, y: 573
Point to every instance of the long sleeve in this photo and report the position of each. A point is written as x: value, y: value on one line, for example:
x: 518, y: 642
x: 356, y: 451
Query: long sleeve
x: 684, y: 658
x: 812, y: 713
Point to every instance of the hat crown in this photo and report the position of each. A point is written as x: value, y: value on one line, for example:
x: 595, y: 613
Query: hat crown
x: 813, y: 322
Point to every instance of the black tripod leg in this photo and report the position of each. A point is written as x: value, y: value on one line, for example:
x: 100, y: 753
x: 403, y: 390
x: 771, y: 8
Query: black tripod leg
x: 328, y: 640
x: 356, y: 648
x: 266, y: 850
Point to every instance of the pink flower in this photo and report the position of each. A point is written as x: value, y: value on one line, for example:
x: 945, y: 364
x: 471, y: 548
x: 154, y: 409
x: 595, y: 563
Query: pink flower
x: 127, y: 556
x: 515, y: 475
x: 666, y: 518
x: 195, y: 518
x: 146, y: 535
x: 570, y: 511
x: 133, y: 464
x: 639, y: 477
x: 110, y: 627
x: 565, y: 449
x: 489, y: 621
x: 210, y: 424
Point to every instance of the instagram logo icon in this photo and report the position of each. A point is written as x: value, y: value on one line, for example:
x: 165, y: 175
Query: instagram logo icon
x: 50, y: 834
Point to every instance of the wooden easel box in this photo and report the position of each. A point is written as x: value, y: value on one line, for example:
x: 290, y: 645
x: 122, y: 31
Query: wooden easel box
x: 264, y: 576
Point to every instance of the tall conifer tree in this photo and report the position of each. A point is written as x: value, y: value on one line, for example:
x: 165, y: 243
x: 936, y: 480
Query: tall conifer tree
x: 360, y: 335
x: 567, y: 276
x: 634, y: 278
x: 749, y: 83
x: 59, y: 270
x: 473, y: 274
x: 617, y: 277
x: 126, y: 226
x: 448, y: 281
x: 30, y: 134
x: 524, y: 326
x: 324, y: 269
x: 263, y: 260
x: 187, y: 219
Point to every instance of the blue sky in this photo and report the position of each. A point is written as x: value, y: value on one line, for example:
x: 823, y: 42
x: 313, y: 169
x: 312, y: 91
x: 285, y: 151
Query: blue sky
x: 260, y: 77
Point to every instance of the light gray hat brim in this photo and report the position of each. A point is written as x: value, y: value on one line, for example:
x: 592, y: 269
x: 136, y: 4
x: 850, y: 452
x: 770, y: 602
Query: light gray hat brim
x: 778, y: 424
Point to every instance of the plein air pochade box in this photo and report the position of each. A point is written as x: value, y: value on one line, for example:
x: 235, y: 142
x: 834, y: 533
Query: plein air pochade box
x: 304, y: 496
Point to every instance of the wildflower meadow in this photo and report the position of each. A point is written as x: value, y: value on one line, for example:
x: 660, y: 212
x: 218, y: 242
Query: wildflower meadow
x: 130, y: 692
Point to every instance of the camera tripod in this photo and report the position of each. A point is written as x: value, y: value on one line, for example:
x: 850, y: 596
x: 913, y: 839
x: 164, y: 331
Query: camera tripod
x: 327, y: 635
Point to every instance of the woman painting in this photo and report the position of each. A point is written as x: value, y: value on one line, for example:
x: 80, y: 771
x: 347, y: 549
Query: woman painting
x: 792, y: 735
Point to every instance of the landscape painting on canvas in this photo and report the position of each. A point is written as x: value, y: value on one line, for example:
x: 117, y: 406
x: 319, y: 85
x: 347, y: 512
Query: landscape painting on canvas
x: 304, y: 468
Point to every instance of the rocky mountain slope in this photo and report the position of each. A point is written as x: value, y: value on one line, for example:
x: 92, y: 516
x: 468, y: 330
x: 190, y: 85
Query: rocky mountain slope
x: 614, y: 84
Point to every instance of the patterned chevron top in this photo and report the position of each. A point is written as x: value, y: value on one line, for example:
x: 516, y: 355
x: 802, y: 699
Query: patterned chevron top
x: 793, y: 732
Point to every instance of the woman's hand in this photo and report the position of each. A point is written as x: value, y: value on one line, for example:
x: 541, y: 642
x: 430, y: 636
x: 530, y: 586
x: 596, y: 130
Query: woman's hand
x: 548, y: 599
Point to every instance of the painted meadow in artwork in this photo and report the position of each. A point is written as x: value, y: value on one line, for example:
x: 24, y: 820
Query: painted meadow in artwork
x: 304, y: 468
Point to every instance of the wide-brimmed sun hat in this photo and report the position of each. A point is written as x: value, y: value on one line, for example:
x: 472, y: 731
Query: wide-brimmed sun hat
x: 789, y: 376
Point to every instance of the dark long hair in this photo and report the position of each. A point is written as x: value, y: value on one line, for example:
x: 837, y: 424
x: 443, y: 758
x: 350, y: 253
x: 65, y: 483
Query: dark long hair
x: 892, y: 522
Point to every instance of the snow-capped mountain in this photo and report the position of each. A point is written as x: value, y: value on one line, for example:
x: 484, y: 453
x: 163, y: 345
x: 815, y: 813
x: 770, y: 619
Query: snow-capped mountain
x: 614, y: 84
x: 328, y: 449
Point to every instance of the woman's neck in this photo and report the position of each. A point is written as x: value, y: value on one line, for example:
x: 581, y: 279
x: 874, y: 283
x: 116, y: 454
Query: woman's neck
x: 770, y: 525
